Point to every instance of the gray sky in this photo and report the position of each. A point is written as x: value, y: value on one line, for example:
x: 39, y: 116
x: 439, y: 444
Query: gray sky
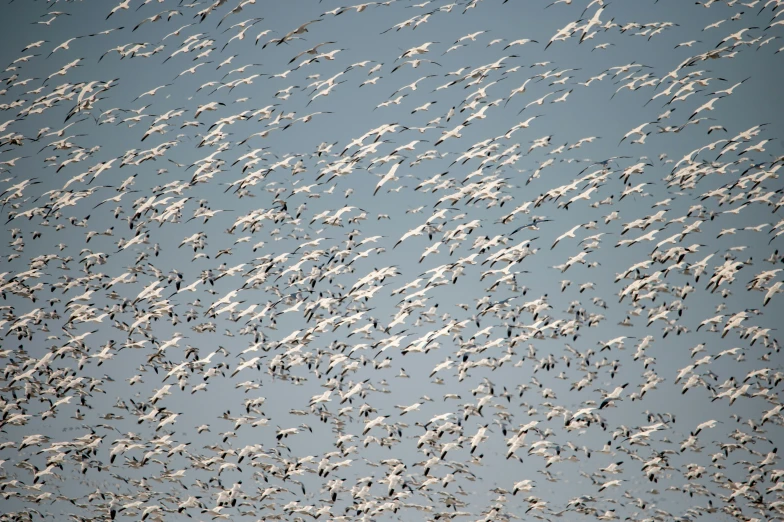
x: 181, y: 115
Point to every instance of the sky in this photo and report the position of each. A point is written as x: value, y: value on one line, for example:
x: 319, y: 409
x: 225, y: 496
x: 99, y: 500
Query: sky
x: 151, y: 146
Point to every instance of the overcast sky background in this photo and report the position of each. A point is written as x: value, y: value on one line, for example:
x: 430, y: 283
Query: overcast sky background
x: 602, y: 109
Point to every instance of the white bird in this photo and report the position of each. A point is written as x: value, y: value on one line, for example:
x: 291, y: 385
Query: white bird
x: 389, y: 176
x: 568, y: 233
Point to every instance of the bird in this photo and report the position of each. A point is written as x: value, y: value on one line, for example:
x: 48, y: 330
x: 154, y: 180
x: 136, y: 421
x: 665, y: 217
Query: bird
x: 125, y: 4
x: 390, y: 175
x: 568, y: 233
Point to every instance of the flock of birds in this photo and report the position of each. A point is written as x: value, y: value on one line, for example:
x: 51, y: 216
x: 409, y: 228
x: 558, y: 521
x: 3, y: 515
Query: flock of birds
x: 243, y: 281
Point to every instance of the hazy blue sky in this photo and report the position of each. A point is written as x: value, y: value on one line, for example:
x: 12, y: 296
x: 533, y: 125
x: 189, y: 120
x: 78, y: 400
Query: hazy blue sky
x: 192, y: 111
